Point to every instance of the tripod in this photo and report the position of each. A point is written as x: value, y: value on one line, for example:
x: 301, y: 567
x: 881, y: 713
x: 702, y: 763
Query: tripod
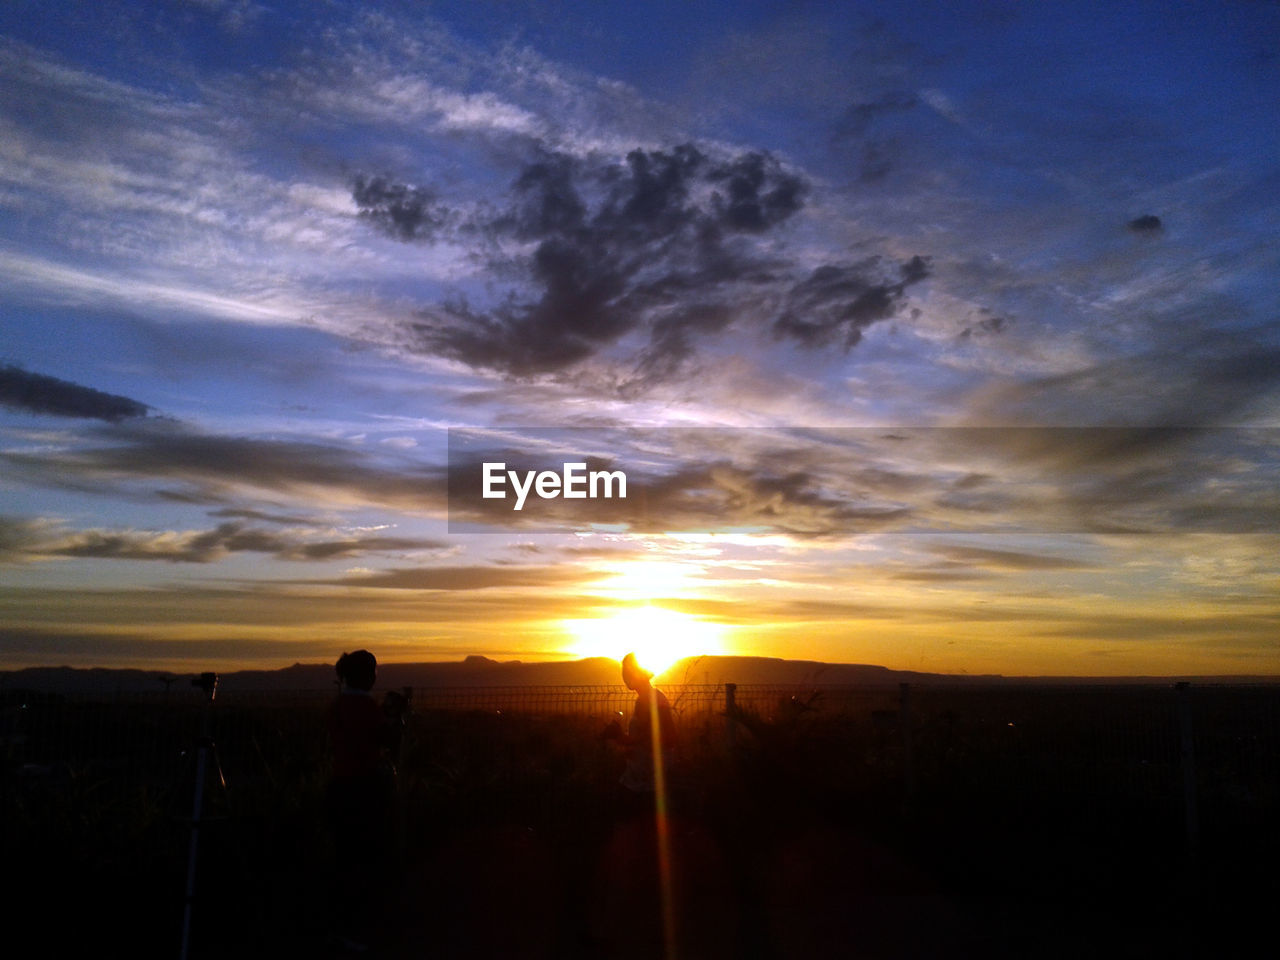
x: 206, y: 754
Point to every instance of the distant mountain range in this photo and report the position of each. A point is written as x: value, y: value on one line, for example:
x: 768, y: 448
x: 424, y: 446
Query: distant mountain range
x: 477, y: 671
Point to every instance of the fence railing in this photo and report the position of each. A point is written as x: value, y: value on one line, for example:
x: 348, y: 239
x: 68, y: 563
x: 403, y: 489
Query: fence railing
x: 1197, y: 752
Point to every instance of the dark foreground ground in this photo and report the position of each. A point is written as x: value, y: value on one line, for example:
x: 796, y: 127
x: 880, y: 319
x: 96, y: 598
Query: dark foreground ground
x: 1019, y: 823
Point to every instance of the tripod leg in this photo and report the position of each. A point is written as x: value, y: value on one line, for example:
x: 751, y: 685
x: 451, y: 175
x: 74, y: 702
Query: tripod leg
x: 197, y: 810
x: 222, y: 796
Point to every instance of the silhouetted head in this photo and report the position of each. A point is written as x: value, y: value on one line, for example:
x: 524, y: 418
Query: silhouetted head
x: 357, y: 670
x: 634, y: 676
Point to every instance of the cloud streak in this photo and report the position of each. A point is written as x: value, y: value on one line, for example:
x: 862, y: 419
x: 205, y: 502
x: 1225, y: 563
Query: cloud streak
x: 834, y: 483
x: 212, y: 468
x: 37, y: 393
x: 453, y: 578
x: 24, y: 540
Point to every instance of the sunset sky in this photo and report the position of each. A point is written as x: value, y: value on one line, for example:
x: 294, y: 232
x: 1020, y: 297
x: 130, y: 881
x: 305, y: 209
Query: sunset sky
x: 939, y: 336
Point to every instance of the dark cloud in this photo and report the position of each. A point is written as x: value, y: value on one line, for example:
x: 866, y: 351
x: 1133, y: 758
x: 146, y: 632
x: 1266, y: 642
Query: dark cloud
x: 402, y: 211
x: 30, y: 540
x: 1196, y: 377
x: 652, y: 252
x: 121, y: 650
x: 37, y: 393
x: 837, y: 303
x: 842, y: 482
x: 356, y: 546
x: 945, y: 575
x: 757, y: 196
x: 714, y: 496
x: 1147, y: 223
x: 642, y: 258
x: 799, y: 502
x: 1151, y: 626
x: 876, y: 161
x: 985, y: 558
x: 212, y: 467
x: 987, y: 325
x: 546, y: 199
x: 288, y: 520
x: 17, y: 536
x: 859, y: 116
x: 876, y: 155
x: 1117, y: 479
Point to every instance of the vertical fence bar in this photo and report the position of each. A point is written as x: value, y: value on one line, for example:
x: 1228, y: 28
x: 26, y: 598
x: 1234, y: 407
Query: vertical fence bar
x: 1188, y: 755
x: 730, y: 709
x: 904, y: 721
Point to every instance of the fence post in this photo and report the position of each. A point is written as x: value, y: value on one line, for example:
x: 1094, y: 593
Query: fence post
x: 1188, y: 754
x: 904, y: 721
x: 730, y: 708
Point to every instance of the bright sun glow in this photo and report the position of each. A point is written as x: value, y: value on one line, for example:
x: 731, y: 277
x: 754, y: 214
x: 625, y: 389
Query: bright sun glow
x: 644, y: 580
x: 658, y: 637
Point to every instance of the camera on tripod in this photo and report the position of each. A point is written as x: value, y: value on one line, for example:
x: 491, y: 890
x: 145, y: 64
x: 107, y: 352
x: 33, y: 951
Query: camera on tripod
x: 208, y: 682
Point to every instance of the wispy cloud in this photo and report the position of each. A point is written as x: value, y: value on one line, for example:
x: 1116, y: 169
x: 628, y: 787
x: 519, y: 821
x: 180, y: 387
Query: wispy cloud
x: 469, y: 578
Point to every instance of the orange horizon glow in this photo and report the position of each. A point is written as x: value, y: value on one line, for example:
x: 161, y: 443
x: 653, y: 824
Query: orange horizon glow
x: 657, y: 636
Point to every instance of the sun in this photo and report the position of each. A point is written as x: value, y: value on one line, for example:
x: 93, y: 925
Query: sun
x: 657, y: 636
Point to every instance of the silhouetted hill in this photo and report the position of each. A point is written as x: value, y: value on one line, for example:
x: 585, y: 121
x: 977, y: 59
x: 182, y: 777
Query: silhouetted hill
x: 474, y: 671
x: 810, y: 673
x: 478, y: 671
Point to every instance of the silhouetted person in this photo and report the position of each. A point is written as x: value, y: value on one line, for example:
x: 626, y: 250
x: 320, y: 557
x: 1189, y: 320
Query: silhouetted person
x: 651, y: 718
x: 359, y: 796
x: 632, y: 896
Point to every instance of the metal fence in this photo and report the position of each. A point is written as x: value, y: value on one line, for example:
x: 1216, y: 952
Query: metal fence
x: 1195, y: 752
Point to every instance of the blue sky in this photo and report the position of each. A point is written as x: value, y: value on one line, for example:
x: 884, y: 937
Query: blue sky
x: 256, y: 259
